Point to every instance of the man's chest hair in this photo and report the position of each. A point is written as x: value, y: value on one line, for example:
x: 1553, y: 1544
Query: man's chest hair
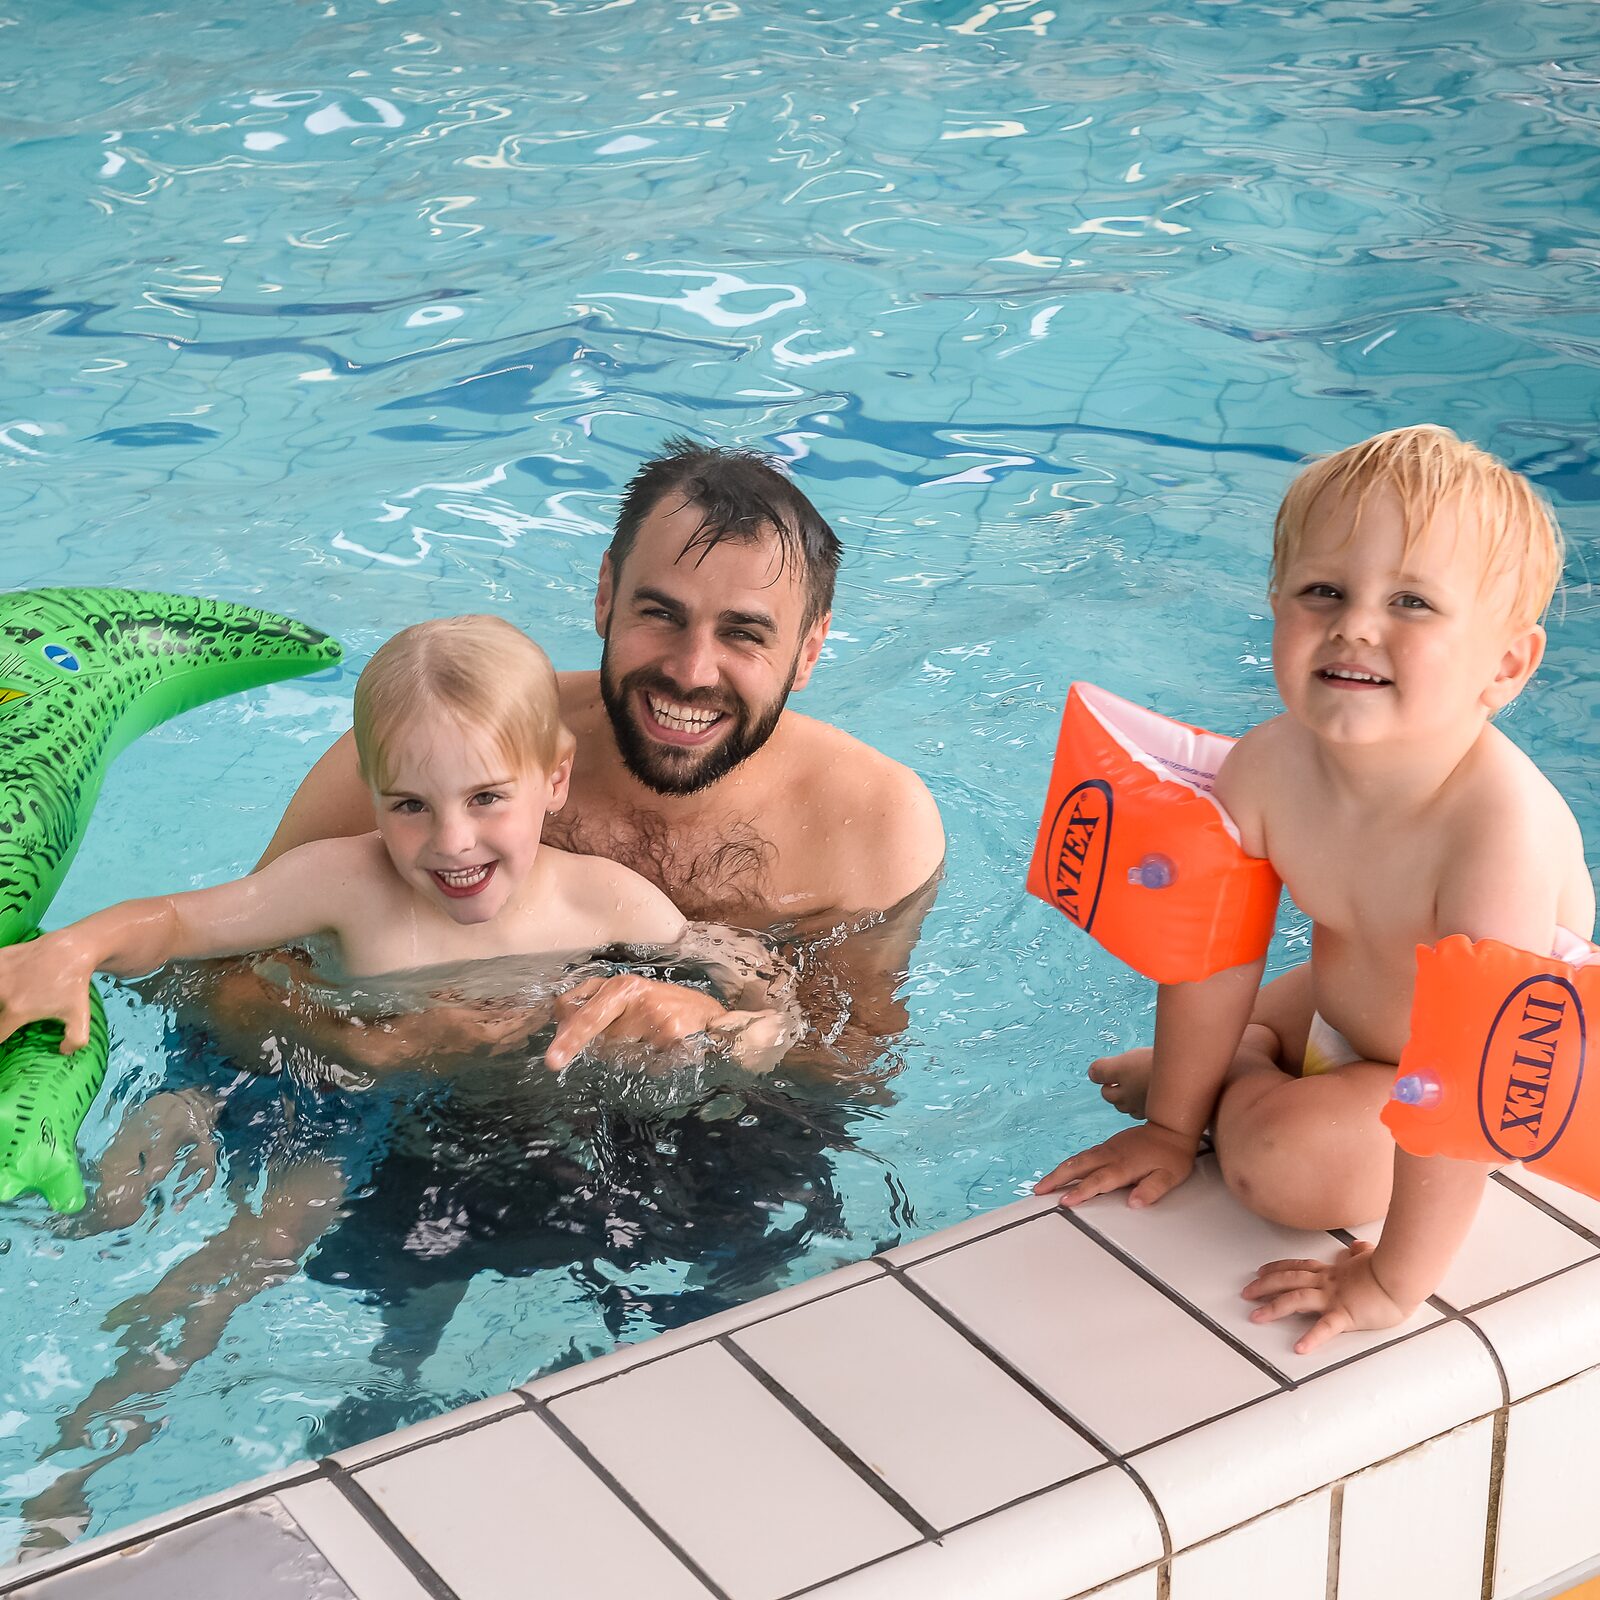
x: 723, y: 873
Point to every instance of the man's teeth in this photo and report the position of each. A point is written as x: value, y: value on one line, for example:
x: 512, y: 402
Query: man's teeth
x: 466, y: 877
x: 1354, y: 677
x: 680, y: 718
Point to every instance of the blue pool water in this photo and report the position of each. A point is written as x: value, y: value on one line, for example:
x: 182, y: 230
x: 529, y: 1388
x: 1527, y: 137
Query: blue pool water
x: 365, y: 310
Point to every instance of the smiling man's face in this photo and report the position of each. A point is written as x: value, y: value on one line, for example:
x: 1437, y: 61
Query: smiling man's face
x: 702, y: 648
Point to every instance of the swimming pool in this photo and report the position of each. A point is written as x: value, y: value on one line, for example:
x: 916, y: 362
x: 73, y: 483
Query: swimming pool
x: 366, y: 311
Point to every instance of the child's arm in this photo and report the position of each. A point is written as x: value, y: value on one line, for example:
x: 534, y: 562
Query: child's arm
x: 1504, y: 885
x: 1198, y: 1029
x: 309, y: 890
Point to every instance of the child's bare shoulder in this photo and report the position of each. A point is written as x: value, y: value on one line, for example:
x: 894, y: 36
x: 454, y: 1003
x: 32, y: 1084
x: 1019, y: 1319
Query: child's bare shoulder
x: 1513, y: 847
x: 1252, y: 773
x: 620, y: 904
x: 1502, y: 804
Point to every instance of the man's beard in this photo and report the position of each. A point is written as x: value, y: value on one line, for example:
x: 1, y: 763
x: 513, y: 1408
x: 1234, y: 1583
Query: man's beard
x: 676, y: 769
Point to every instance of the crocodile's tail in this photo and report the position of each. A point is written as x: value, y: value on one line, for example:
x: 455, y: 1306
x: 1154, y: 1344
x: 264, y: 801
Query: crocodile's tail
x: 44, y: 1096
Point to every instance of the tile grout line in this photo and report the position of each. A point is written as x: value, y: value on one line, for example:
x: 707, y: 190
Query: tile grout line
x: 1538, y: 1201
x: 697, y: 1344
x: 798, y: 1409
x: 1015, y: 1374
x: 1497, y: 1474
x: 382, y: 1458
x: 1028, y: 1386
x: 1532, y: 1283
x: 620, y: 1492
x: 118, y: 1543
x: 1260, y: 1362
x: 1335, y: 1537
x: 378, y: 1520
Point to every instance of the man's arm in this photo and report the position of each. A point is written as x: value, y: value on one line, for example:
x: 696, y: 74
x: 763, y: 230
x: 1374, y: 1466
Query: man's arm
x: 332, y: 802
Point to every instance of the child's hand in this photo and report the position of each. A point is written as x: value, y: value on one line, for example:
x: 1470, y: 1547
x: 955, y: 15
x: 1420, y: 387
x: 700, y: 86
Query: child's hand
x: 46, y: 980
x: 1343, y: 1295
x: 1151, y: 1158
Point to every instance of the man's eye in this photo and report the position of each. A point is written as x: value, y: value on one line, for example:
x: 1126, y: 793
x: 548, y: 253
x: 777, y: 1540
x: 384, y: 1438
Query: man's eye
x: 657, y: 613
x: 744, y: 636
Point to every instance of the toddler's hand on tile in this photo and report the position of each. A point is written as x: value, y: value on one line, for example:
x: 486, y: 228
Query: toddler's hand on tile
x: 1148, y: 1159
x: 1343, y: 1295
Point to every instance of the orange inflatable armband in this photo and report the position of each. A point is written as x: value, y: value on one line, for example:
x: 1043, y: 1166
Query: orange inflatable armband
x: 1494, y: 1068
x: 1135, y: 850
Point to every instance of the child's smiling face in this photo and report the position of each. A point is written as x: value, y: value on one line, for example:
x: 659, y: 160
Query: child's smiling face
x: 461, y: 826
x: 1374, y: 644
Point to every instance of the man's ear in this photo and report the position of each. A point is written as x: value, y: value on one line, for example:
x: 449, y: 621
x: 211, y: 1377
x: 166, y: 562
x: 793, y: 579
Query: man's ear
x: 1518, y: 664
x: 604, y: 592
x: 810, y: 649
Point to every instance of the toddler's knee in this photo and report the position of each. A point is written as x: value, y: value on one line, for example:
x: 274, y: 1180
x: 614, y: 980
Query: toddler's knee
x: 1272, y: 1171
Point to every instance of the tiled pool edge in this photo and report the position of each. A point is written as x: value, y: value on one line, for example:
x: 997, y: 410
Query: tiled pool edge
x: 1449, y: 1459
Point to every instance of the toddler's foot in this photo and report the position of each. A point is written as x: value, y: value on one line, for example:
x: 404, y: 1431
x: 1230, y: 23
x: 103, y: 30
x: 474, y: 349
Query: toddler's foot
x: 1124, y: 1080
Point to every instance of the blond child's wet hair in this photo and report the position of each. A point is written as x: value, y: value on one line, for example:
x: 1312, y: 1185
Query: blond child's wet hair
x: 1423, y: 467
x: 478, y: 670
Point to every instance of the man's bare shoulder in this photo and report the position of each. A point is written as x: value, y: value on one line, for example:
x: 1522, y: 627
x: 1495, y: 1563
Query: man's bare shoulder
x: 884, y: 830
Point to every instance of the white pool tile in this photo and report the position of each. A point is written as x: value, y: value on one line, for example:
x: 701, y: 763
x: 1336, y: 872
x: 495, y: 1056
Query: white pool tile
x: 1581, y: 1208
x: 1283, y: 1554
x: 1417, y: 1526
x: 932, y: 1416
x: 1207, y: 1246
x: 626, y: 1357
x: 149, y: 1527
x: 349, y: 1543
x: 1547, y: 1333
x: 965, y: 1232
x: 1550, y: 1488
x: 1061, y: 1543
x: 1236, y: 1468
x: 489, y: 1508
x: 724, y: 1467
x: 1512, y: 1243
x: 1110, y: 1349
x: 358, y: 1455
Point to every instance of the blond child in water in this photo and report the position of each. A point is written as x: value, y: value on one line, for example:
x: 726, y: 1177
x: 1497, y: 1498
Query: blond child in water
x: 459, y: 735
x: 1409, y: 574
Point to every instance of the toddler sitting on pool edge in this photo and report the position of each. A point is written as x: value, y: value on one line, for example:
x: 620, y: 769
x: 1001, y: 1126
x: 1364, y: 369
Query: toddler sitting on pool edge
x: 1409, y: 574
x: 459, y: 735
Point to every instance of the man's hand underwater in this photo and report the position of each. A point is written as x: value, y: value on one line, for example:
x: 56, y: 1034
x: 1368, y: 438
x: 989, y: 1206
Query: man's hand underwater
x: 1150, y: 1158
x: 628, y: 1008
x: 1344, y: 1295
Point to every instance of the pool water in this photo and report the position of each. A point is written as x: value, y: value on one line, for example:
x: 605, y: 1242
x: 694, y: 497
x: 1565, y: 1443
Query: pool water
x: 365, y: 309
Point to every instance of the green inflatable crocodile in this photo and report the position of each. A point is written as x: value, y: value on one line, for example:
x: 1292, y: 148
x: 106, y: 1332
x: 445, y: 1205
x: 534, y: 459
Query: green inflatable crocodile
x: 83, y: 672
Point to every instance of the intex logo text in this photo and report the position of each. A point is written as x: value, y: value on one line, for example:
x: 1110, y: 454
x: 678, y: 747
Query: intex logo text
x: 1532, y: 1067
x: 1075, y: 850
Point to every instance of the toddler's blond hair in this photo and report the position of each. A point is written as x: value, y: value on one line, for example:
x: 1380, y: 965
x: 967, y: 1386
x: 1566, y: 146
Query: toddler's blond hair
x: 480, y: 670
x: 1423, y: 467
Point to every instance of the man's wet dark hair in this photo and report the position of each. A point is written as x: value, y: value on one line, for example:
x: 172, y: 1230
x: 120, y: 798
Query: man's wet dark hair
x: 741, y: 495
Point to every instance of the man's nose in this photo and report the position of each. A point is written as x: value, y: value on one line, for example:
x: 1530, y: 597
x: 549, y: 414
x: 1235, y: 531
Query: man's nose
x: 693, y: 664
